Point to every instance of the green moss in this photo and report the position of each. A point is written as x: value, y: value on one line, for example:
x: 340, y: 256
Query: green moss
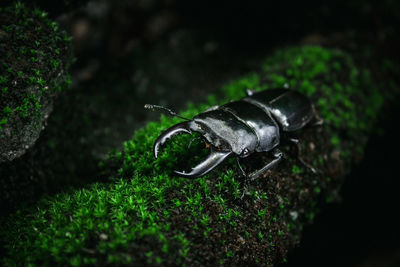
x: 146, y: 216
x: 35, y: 58
x: 296, y: 169
x: 3, y: 121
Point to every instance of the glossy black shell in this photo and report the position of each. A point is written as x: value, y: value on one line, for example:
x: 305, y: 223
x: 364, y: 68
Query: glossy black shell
x: 254, y: 122
x: 291, y: 109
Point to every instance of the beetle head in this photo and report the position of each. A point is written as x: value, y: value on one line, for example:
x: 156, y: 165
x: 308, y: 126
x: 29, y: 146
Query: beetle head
x: 219, y: 150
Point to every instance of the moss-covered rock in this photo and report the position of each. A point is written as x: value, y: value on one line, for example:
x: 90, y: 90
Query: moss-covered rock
x: 147, y: 216
x: 35, y: 56
x: 55, y: 8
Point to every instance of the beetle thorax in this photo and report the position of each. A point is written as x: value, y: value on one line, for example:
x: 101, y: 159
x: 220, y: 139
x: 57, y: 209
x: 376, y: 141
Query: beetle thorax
x: 225, y: 132
x: 211, y: 137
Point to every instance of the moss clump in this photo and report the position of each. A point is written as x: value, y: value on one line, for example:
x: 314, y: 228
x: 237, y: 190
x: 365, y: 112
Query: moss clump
x: 35, y: 56
x: 147, y: 216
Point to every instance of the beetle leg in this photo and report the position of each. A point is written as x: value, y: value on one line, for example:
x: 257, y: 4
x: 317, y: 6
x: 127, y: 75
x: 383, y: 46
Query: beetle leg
x: 318, y: 120
x: 213, y: 160
x: 240, y: 167
x: 183, y: 127
x: 299, y: 152
x: 278, y: 157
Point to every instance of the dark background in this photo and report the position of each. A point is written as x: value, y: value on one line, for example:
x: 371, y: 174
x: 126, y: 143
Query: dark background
x: 175, y: 51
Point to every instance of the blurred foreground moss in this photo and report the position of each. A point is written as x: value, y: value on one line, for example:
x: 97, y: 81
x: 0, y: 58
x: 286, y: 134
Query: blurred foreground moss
x: 146, y: 216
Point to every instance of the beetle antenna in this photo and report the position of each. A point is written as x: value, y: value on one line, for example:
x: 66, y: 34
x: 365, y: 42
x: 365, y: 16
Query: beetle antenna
x: 171, y: 112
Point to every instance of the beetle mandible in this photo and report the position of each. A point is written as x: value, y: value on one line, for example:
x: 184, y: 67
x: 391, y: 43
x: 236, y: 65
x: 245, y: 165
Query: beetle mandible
x: 254, y: 123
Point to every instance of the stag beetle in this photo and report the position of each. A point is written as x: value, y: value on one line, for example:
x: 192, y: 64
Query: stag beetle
x: 253, y: 124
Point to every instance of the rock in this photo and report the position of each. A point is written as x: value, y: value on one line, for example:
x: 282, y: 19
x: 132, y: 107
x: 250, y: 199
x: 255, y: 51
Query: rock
x: 35, y: 55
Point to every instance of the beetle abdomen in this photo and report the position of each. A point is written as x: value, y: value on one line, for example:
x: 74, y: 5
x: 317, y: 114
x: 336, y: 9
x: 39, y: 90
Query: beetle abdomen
x: 291, y: 109
x: 259, y: 120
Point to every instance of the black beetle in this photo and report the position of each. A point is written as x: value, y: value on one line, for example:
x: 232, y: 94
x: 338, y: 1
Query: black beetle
x: 252, y: 124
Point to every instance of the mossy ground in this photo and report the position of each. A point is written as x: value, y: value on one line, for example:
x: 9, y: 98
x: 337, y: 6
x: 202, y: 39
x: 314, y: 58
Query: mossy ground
x: 35, y: 57
x: 146, y: 216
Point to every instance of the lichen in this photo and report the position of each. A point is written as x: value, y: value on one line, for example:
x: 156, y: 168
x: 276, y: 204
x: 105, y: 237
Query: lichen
x: 144, y: 215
